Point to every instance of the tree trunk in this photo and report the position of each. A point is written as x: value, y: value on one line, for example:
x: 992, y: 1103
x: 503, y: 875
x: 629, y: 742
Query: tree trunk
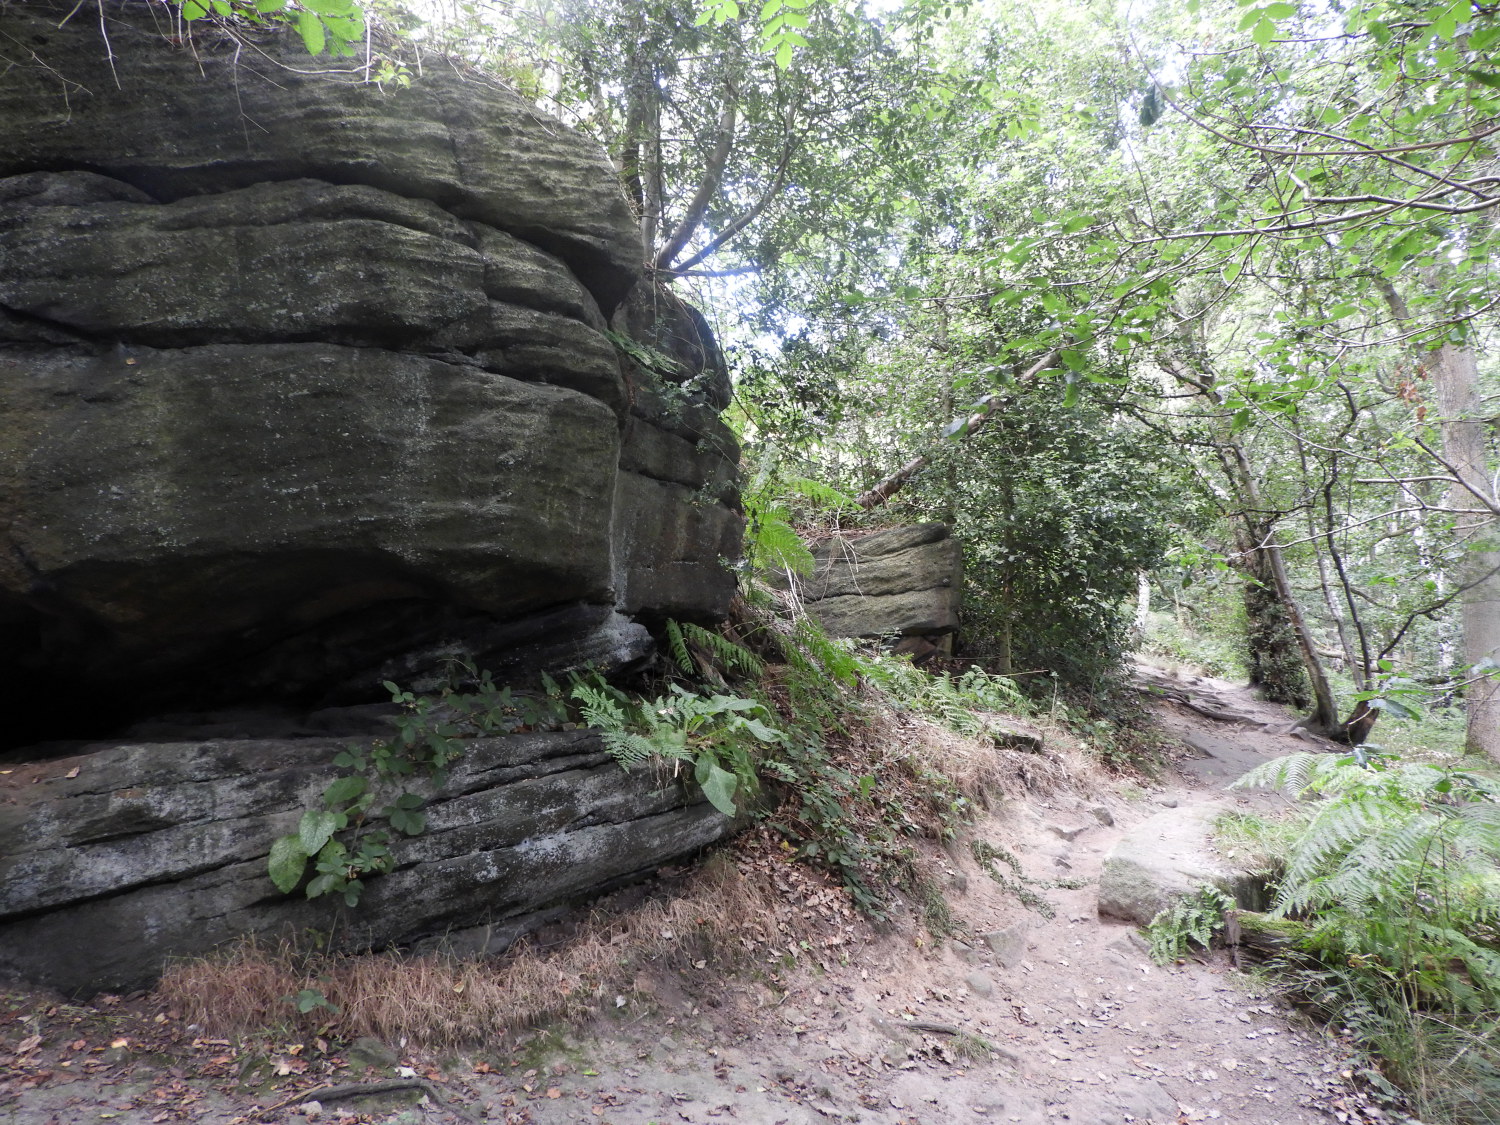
x: 1455, y: 374
x: 1277, y: 635
x: 1275, y: 618
x: 1276, y: 665
x: 1455, y: 370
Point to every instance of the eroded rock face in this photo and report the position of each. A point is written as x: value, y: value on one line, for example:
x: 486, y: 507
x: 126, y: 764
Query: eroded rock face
x: 305, y: 386
x: 906, y: 581
x: 115, y: 860
x: 303, y: 383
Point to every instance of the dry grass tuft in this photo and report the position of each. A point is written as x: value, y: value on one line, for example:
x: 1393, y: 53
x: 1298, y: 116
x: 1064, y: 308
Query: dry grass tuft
x: 236, y: 990
x: 935, y: 773
x: 748, y: 904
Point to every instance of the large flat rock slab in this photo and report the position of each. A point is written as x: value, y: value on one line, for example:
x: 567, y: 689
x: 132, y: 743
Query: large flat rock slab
x: 905, y: 580
x: 1169, y: 857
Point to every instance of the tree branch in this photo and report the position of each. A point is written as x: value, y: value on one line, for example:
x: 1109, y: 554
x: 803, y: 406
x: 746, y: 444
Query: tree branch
x: 887, y: 487
x: 713, y: 174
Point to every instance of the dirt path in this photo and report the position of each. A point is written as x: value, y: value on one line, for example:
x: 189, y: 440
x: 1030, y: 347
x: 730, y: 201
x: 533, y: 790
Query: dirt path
x: 1081, y: 1026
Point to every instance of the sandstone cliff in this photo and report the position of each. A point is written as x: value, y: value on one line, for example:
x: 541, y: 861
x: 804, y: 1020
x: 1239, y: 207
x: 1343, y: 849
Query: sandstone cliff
x: 305, y: 385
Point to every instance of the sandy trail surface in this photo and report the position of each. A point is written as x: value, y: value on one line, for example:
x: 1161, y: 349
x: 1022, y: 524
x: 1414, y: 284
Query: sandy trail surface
x: 1019, y: 1018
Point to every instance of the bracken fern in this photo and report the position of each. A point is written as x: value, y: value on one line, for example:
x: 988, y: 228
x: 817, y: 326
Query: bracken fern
x: 1397, y: 876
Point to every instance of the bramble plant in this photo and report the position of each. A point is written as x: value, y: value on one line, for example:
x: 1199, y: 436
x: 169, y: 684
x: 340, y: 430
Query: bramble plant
x: 429, y: 736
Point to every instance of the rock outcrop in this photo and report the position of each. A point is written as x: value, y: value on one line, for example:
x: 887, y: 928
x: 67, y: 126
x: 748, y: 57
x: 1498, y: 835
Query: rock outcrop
x: 1169, y: 857
x: 114, y: 861
x: 306, y: 385
x: 906, y: 581
x: 303, y: 383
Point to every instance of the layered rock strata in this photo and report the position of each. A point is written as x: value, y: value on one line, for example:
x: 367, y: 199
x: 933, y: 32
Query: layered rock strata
x: 306, y: 385
x: 905, y: 581
x: 299, y: 377
x: 113, y: 862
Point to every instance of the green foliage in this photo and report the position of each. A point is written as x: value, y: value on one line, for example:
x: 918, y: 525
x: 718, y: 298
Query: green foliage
x: 1399, y: 865
x: 312, y: 1000
x: 821, y: 676
x: 720, y: 736
x: 781, y: 24
x: 1397, y: 873
x: 1193, y: 918
x: 334, y: 26
x: 772, y: 543
x: 644, y: 356
x: 718, y: 651
x: 1017, y: 882
x: 1257, y: 843
x: 964, y: 704
x: 339, y: 842
x: 1212, y: 642
x: 825, y: 816
x: 1058, y: 511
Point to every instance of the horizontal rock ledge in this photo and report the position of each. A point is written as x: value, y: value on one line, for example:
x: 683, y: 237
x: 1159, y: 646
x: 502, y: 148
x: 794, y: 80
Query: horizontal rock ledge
x: 119, y: 860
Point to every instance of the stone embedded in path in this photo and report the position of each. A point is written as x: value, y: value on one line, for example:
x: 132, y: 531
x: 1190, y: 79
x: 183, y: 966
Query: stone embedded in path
x: 1165, y: 858
x: 1008, y: 945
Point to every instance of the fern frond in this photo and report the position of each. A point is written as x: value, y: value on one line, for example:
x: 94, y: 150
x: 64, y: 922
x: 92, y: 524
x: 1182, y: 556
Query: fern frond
x: 771, y: 542
x: 600, y: 707
x: 1193, y: 918
x: 730, y: 656
x: 677, y: 646
x: 1335, y: 827
x: 627, y: 748
x: 823, y: 495
x: 1290, y: 774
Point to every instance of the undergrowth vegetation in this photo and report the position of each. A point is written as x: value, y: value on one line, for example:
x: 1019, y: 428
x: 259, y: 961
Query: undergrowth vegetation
x: 1392, y: 874
x: 845, y: 763
x: 877, y: 755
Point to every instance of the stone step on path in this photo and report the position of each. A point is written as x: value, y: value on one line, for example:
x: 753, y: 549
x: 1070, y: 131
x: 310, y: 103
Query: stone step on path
x: 1167, y: 857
